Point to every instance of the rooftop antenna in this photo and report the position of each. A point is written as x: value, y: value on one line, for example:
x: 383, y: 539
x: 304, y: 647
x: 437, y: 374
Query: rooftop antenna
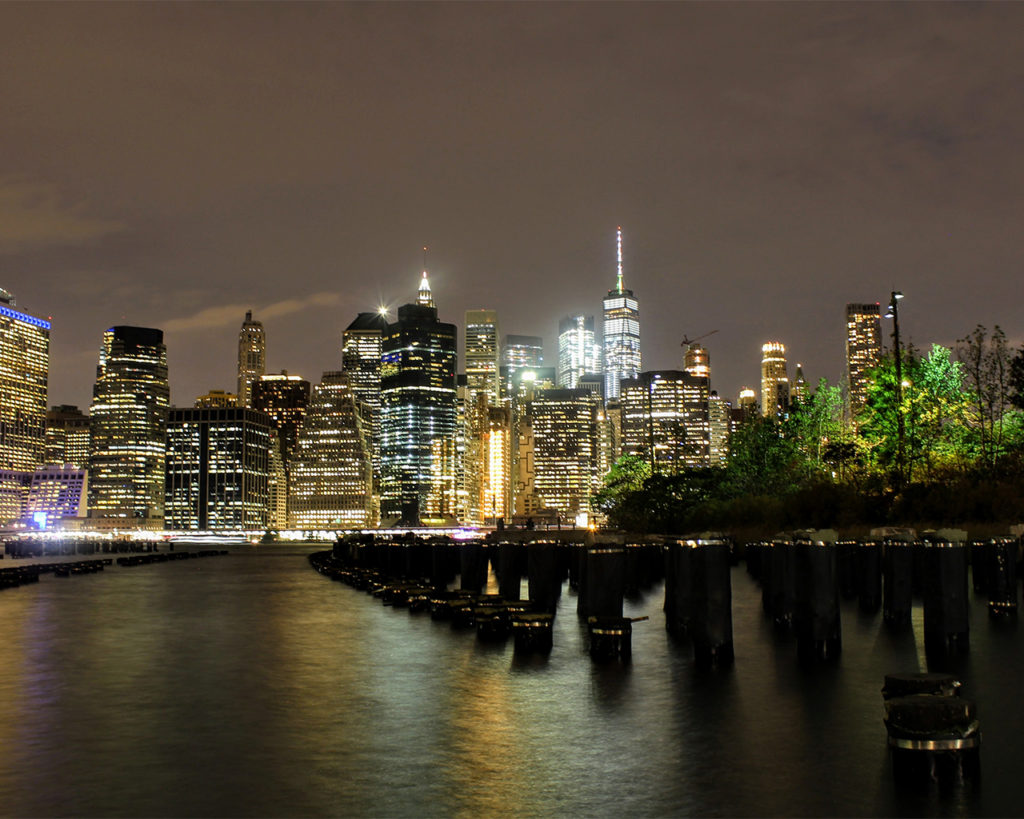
x: 618, y: 243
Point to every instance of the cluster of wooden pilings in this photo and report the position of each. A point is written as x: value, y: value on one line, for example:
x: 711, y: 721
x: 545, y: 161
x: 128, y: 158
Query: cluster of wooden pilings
x: 21, y: 547
x: 803, y: 575
x: 418, y: 574
x: 30, y: 573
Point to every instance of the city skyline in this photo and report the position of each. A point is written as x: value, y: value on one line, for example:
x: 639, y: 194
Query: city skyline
x: 771, y: 163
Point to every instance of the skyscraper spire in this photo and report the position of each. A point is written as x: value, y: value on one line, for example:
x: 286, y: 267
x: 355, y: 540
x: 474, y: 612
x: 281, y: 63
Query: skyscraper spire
x: 424, y: 296
x: 618, y: 242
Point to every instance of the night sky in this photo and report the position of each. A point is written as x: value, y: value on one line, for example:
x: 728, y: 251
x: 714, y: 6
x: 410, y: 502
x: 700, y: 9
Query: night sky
x: 175, y: 165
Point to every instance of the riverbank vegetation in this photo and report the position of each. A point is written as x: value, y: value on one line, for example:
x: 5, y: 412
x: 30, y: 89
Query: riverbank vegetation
x: 942, y: 446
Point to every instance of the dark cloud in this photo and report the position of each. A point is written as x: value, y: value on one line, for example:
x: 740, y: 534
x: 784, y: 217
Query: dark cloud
x: 769, y: 162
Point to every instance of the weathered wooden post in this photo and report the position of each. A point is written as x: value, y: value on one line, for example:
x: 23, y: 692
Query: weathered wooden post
x: 898, y: 579
x: 818, y: 631
x: 602, y: 581
x: 543, y: 578
x: 712, y: 603
x: 678, y: 588
x: 946, y: 627
x: 1002, y: 577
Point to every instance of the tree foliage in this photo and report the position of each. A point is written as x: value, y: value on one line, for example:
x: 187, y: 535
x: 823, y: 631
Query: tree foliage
x: 960, y: 455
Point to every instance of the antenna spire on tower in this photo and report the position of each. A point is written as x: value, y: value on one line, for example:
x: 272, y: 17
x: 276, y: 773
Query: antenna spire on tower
x: 618, y: 243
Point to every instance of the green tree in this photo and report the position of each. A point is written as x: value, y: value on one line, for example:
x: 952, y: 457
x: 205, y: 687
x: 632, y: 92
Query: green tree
x: 987, y: 368
x: 818, y: 429
x: 933, y: 406
x: 762, y: 460
x: 615, y: 499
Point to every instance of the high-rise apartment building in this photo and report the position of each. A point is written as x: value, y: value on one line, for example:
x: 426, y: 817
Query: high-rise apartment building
x: 578, y: 352
x: 284, y: 398
x: 218, y: 461
x: 565, y: 449
x: 418, y: 413
x: 863, y: 349
x: 128, y: 426
x: 24, y: 371
x: 774, y: 380
x: 252, y: 357
x: 665, y: 420
x: 621, y: 332
x: 67, y: 437
x: 331, y: 483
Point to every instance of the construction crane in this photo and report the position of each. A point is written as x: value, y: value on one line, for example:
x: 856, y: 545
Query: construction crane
x: 687, y: 341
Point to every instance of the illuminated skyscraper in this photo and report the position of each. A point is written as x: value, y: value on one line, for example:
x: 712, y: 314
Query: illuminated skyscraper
x: 521, y: 351
x: 218, y: 461
x: 24, y: 369
x: 418, y: 413
x: 565, y: 450
x: 497, y: 465
x: 360, y: 361
x: 720, y: 426
x: 665, y: 420
x: 863, y: 349
x: 482, y: 354
x: 252, y: 357
x: 128, y: 426
x: 331, y: 483
x: 284, y: 398
x: 774, y: 381
x: 578, y: 352
x: 621, y: 332
x: 67, y: 437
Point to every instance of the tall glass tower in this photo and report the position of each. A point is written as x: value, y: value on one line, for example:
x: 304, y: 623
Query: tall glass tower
x: 128, y: 421
x: 578, y: 352
x: 418, y: 414
x: 252, y: 357
x: 621, y: 332
x: 360, y: 361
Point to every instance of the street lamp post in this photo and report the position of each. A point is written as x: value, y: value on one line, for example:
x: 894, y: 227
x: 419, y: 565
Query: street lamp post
x: 894, y: 314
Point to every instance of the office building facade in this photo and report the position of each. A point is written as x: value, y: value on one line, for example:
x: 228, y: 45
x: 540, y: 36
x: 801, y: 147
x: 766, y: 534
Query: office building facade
x: 665, y: 420
x: 67, y: 437
x: 128, y: 426
x: 217, y: 468
x: 24, y: 374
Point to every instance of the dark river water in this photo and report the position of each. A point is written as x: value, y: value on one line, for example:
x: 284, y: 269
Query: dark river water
x: 250, y: 685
